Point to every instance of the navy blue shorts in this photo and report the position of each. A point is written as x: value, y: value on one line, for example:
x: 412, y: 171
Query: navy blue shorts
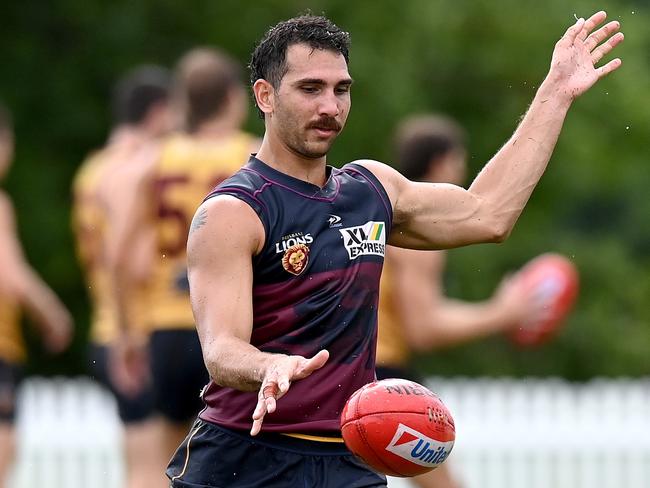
x: 214, y: 457
x: 131, y: 409
x: 10, y: 377
x: 178, y: 373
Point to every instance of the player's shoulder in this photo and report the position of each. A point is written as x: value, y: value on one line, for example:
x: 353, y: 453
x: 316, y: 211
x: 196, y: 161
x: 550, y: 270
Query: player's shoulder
x: 223, y: 203
x: 133, y: 166
x: 175, y: 142
x: 369, y: 164
x: 227, y: 217
x: 245, y: 179
x: 89, y: 167
x: 381, y: 170
x: 387, y: 177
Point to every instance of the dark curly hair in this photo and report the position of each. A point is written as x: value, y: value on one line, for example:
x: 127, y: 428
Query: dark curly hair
x: 268, y: 61
x: 423, y: 139
x: 137, y: 91
x: 204, y: 78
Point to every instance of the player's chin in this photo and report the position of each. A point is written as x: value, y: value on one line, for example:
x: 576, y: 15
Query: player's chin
x: 318, y: 148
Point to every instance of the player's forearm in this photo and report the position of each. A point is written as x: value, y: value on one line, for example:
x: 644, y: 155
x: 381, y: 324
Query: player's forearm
x: 505, y: 184
x: 235, y: 363
x: 122, y: 288
x: 454, y: 322
x: 40, y: 302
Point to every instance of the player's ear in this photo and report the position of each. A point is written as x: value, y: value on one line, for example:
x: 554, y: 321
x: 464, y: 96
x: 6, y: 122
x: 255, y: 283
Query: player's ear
x: 264, y: 95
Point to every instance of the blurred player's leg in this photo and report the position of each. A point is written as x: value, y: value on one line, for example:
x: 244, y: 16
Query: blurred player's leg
x: 7, y: 450
x: 10, y: 376
x: 144, y: 451
x: 438, y: 478
x: 173, y: 436
x: 177, y: 368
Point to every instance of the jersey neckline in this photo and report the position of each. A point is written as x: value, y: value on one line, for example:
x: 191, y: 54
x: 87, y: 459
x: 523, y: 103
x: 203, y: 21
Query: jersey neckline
x: 295, y: 184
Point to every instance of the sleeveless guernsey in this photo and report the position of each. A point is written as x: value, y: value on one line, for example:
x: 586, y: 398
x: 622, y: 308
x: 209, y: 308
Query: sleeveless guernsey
x: 316, y: 286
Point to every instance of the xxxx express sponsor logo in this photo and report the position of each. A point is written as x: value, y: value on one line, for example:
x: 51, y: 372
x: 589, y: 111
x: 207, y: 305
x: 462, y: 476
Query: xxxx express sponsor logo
x: 364, y: 240
x: 418, y: 448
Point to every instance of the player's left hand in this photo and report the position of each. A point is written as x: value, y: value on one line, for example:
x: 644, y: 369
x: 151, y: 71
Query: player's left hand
x: 57, y: 335
x: 277, y: 380
x: 579, y: 50
x: 128, y: 364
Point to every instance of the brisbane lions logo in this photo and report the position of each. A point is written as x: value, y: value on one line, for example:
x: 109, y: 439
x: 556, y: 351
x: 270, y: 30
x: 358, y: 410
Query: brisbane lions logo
x: 295, y: 259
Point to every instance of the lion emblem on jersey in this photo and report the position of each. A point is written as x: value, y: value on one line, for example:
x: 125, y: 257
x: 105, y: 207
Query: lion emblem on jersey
x: 295, y: 259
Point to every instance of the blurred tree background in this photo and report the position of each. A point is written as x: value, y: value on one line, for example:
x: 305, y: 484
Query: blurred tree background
x: 477, y: 60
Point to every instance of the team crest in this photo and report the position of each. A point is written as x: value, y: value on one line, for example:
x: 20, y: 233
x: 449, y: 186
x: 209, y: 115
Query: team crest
x: 295, y: 259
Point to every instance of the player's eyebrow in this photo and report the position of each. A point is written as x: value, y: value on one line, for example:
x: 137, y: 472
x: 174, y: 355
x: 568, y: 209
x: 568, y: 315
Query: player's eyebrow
x: 319, y: 81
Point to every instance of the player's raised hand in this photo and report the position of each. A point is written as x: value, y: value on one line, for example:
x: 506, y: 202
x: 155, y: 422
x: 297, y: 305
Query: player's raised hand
x: 277, y: 381
x: 576, y: 54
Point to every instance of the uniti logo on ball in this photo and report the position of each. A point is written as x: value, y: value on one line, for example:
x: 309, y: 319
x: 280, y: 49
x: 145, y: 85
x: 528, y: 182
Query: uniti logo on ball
x: 416, y: 447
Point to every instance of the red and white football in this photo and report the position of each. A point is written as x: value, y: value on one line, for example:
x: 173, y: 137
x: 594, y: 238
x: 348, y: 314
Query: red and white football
x: 553, y: 281
x: 398, y: 427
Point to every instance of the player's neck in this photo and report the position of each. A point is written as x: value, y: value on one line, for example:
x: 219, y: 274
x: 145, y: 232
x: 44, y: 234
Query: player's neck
x: 217, y: 128
x: 283, y: 159
x: 127, y: 135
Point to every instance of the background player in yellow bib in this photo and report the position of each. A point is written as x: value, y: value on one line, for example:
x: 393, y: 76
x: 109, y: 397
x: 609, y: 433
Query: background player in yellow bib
x: 163, y: 196
x: 20, y: 288
x: 140, y: 111
x: 414, y: 313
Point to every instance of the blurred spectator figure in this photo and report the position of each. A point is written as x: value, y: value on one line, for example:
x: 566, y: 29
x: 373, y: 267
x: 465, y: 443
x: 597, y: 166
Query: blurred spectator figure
x: 141, y: 117
x: 414, y: 313
x: 20, y: 288
x: 210, y: 105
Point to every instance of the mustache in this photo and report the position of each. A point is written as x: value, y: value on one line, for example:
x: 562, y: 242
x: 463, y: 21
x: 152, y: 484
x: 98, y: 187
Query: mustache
x: 326, y: 123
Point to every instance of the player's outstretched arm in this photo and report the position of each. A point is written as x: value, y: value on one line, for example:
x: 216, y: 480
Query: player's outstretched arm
x: 24, y: 285
x: 224, y: 236
x: 435, y: 216
x: 432, y: 320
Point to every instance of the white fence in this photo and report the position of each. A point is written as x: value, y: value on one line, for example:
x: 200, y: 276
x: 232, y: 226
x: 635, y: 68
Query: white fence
x: 510, y: 434
x: 68, y: 436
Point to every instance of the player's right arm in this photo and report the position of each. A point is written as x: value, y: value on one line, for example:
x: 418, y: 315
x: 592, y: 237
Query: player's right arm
x: 125, y: 194
x: 20, y: 282
x: 224, y: 236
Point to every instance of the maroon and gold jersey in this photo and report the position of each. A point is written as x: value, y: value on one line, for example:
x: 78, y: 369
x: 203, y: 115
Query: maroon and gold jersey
x: 392, y: 348
x: 89, y: 225
x: 12, y: 346
x: 89, y: 222
x: 188, y: 170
